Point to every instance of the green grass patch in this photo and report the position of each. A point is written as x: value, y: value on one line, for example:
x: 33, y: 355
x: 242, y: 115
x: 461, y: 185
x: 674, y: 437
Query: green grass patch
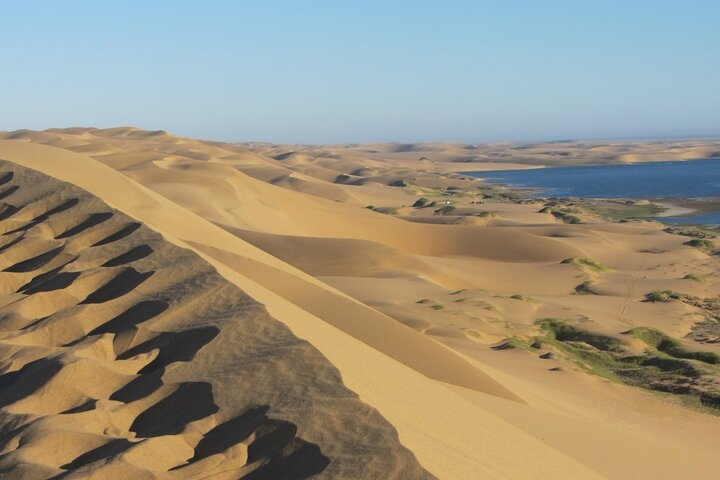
x: 619, y: 212
x: 561, y: 330
x: 563, y: 214
x: 666, y: 366
x: 586, y: 263
x: 694, y: 277
x: 663, y: 343
x: 511, y: 343
x: 424, y: 191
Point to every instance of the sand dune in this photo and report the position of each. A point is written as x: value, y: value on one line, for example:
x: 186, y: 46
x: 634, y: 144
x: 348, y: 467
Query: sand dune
x: 190, y: 309
x: 153, y: 365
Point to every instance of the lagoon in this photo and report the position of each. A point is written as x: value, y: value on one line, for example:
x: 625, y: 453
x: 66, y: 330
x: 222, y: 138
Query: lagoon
x: 653, y: 180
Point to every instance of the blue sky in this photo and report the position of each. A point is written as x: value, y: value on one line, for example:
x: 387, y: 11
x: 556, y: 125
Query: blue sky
x: 350, y: 71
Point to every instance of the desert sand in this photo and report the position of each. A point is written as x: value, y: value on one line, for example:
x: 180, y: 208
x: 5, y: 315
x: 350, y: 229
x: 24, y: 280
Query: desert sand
x: 179, y: 308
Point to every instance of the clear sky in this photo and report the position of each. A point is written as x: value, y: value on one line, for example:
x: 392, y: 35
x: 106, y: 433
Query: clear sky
x: 360, y: 71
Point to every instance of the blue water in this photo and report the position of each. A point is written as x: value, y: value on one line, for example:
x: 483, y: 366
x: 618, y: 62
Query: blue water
x: 682, y: 179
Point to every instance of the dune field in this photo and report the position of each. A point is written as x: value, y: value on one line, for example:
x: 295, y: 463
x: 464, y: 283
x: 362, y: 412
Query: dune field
x: 179, y: 308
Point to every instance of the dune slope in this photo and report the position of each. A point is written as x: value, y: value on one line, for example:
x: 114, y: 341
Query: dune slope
x: 123, y: 355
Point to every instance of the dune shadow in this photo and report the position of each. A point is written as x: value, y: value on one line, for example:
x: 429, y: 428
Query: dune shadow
x: 35, y: 262
x: 84, y: 407
x: 15, y: 386
x: 139, y: 387
x: 191, y: 401
x: 93, y: 220
x: 66, y: 205
x: 12, y: 242
x: 275, y: 449
x: 133, y: 316
x: 119, y: 235
x: 8, y: 212
x: 6, y: 177
x: 121, y: 284
x: 50, y: 281
x: 301, y: 461
x: 230, y: 433
x: 110, y: 449
x: 173, y: 346
x: 132, y: 255
x: 9, y: 191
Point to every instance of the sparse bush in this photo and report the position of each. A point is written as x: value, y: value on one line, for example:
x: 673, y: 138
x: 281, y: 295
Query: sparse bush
x: 585, y: 288
x: 694, y: 277
x: 701, y: 244
x: 445, y: 209
x: 523, y: 298
x: 662, y: 296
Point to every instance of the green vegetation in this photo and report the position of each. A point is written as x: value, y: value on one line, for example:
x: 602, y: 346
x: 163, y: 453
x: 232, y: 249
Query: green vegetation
x: 564, y: 214
x: 616, y: 211
x: 342, y: 178
x: 445, y: 209
x: 560, y: 330
x: 694, y: 277
x: 472, y: 334
x: 585, y: 288
x: 694, y: 231
x: 661, y: 342
x: 511, y: 343
x: 425, y: 191
x: 523, y: 298
x: 663, y: 296
x: 587, y: 263
x: 398, y: 183
x: 701, y: 244
x: 370, y: 207
x: 665, y: 367
x: 435, y: 305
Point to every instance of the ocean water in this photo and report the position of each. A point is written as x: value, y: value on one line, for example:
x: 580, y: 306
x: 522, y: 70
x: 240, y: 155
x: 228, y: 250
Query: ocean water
x: 681, y: 179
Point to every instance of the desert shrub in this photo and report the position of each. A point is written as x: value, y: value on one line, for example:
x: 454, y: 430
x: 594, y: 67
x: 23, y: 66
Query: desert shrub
x: 701, y: 244
x: 588, y: 263
x: 662, y: 296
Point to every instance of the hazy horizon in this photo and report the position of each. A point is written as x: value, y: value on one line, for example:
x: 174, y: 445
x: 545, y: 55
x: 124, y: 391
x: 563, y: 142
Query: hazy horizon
x: 328, y: 73
x: 407, y: 141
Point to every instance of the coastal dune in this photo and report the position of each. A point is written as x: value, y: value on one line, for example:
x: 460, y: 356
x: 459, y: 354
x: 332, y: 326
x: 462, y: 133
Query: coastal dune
x: 174, y: 308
